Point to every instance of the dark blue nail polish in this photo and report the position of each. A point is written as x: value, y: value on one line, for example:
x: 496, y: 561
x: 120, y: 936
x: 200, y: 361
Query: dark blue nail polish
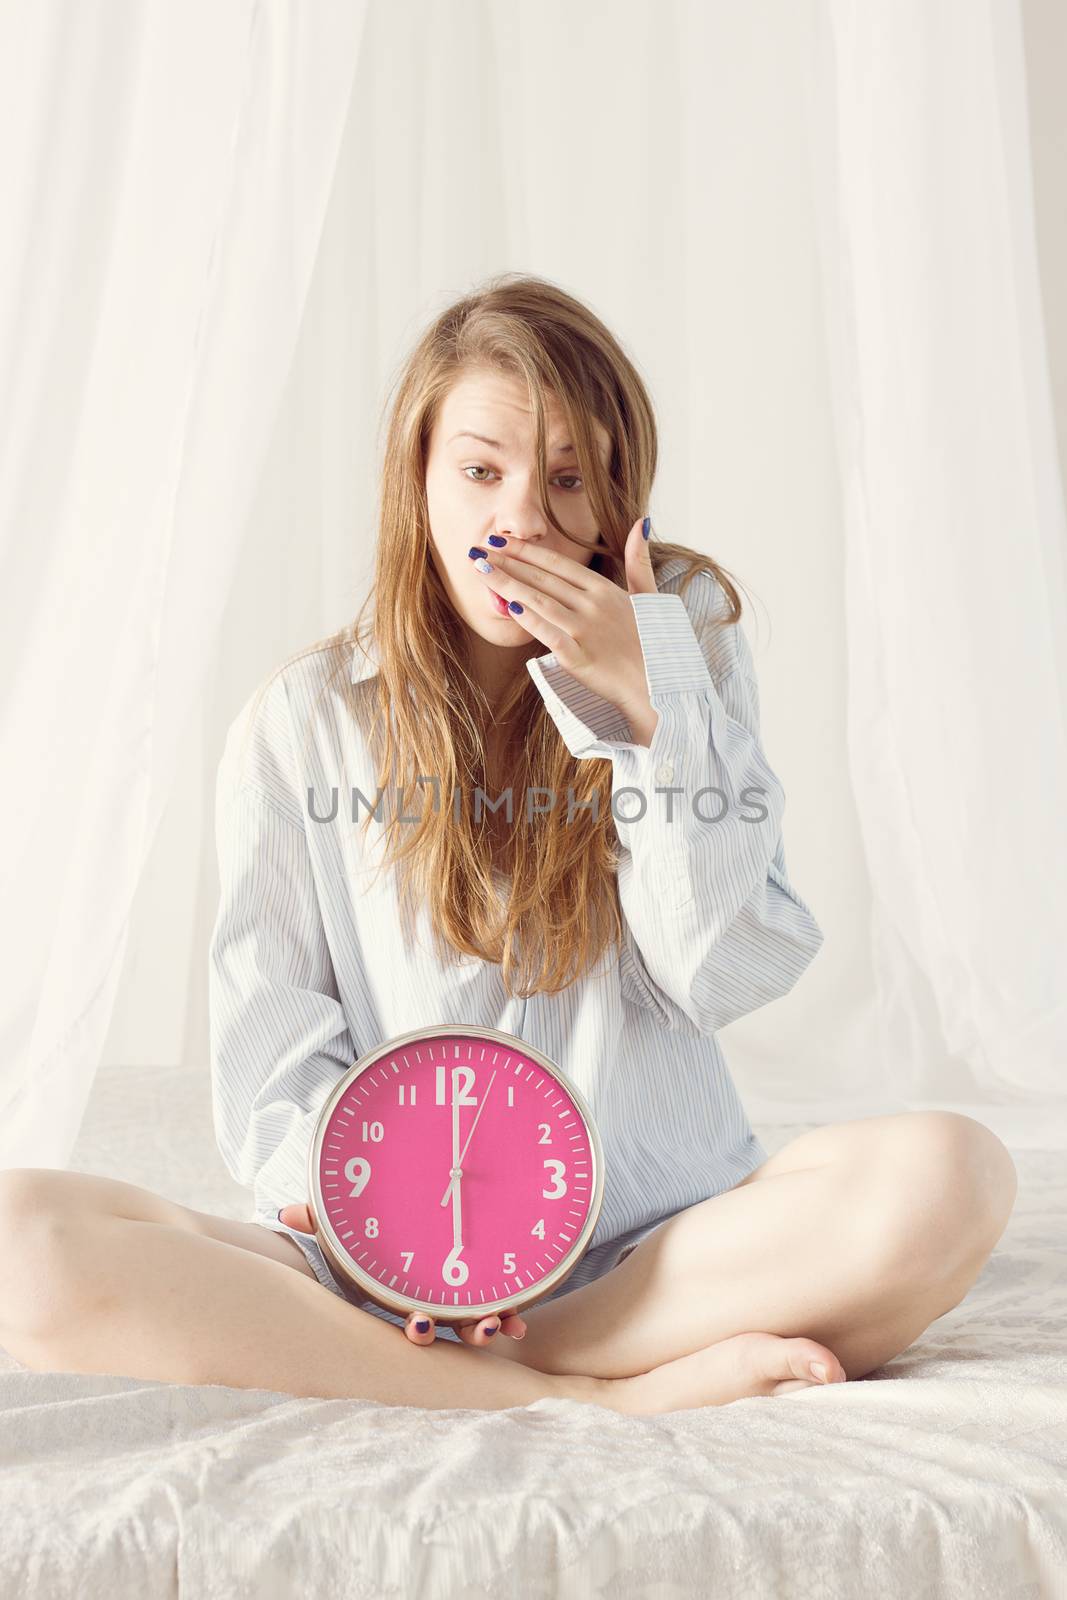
x: 513, y: 605
x: 495, y: 538
x: 492, y: 1330
x: 646, y: 526
x: 422, y: 1325
x: 474, y: 552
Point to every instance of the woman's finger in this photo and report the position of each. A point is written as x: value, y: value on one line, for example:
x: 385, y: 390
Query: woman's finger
x: 480, y: 1333
x: 419, y: 1328
x: 296, y: 1216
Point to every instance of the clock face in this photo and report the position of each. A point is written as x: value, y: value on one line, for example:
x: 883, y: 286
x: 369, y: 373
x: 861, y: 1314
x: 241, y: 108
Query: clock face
x: 455, y: 1171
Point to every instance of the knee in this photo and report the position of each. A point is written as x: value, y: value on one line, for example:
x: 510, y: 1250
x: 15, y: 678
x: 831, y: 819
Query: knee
x: 30, y: 1196
x: 972, y: 1175
x: 31, y: 1219
x: 947, y: 1188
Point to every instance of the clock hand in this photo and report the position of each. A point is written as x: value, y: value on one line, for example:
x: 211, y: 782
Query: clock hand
x: 457, y: 1173
x: 455, y: 1144
x: 458, y: 1162
x: 457, y: 1213
x: 474, y: 1124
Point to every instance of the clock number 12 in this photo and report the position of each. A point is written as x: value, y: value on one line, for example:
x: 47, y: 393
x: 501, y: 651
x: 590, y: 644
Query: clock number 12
x: 464, y: 1097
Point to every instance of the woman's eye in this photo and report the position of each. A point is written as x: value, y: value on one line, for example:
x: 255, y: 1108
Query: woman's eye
x: 568, y: 477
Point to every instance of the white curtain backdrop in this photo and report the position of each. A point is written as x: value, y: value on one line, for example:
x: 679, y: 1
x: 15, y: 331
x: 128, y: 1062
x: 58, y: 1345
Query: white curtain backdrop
x: 955, y: 538
x: 168, y: 169
x: 810, y: 227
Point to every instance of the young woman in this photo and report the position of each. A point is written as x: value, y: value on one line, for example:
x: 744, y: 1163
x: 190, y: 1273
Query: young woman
x: 526, y: 633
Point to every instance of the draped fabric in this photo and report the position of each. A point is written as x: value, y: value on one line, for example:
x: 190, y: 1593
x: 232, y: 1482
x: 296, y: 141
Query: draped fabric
x: 170, y: 168
x: 812, y: 229
x: 955, y: 540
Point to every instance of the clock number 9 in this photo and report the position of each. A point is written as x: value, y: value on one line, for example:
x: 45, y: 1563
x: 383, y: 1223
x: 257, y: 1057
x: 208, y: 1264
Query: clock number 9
x: 357, y: 1171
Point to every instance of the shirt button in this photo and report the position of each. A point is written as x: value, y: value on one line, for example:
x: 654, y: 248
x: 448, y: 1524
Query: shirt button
x: 665, y: 773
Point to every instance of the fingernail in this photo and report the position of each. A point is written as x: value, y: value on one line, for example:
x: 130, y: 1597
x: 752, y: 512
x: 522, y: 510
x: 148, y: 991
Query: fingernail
x: 497, y: 539
x: 513, y: 605
x: 521, y: 1335
x: 474, y: 551
x: 817, y: 1370
x: 646, y: 526
x: 422, y: 1324
x: 495, y: 1329
x: 483, y: 566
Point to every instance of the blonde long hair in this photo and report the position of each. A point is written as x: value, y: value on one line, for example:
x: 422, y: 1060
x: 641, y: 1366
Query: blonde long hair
x: 430, y: 714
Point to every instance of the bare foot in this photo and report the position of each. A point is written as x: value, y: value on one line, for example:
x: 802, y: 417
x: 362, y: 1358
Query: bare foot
x: 732, y: 1369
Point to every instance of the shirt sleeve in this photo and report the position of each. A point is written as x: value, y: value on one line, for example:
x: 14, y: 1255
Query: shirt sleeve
x: 279, y: 1037
x: 714, y: 928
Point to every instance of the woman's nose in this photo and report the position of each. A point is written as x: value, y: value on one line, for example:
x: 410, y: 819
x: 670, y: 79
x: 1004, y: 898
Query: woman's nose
x: 515, y: 538
x: 521, y: 517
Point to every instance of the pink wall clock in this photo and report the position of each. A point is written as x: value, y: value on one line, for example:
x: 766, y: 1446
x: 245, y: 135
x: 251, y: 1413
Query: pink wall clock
x: 455, y: 1170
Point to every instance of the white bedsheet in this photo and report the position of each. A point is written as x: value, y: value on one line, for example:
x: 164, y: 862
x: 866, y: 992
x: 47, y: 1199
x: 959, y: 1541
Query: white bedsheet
x: 943, y: 1475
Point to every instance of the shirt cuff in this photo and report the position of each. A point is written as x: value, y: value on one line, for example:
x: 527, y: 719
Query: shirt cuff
x: 586, y: 721
x: 674, y: 664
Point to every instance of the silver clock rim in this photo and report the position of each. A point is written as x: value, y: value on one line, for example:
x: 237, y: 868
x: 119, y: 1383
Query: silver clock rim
x: 353, y: 1276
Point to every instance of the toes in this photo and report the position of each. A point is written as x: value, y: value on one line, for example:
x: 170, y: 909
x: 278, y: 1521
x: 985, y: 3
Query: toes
x: 787, y: 1385
x: 419, y: 1328
x: 813, y: 1362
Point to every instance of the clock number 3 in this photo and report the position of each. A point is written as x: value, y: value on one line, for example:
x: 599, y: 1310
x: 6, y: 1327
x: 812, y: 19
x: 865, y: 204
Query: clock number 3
x: 559, y: 1188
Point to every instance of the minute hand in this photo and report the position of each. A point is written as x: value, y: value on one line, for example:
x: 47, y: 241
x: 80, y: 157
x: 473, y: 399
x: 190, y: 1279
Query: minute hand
x: 470, y: 1135
x: 456, y: 1183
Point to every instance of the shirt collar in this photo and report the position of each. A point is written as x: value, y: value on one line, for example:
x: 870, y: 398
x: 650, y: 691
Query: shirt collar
x: 366, y: 663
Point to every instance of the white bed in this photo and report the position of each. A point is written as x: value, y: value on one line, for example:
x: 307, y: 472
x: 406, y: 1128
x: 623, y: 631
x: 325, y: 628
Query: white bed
x: 943, y: 1475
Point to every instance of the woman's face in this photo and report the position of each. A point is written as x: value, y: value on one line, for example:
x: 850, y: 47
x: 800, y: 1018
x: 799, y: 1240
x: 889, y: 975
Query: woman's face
x: 479, y: 486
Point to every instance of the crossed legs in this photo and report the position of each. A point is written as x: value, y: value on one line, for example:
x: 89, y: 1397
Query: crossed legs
x: 856, y: 1236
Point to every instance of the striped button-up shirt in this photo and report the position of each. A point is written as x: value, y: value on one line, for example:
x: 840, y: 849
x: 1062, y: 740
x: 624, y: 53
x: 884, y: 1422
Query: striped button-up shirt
x: 309, y: 970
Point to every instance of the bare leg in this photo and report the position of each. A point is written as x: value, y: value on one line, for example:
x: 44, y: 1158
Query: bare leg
x: 858, y: 1235
x: 84, y: 1290
x: 97, y: 1275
